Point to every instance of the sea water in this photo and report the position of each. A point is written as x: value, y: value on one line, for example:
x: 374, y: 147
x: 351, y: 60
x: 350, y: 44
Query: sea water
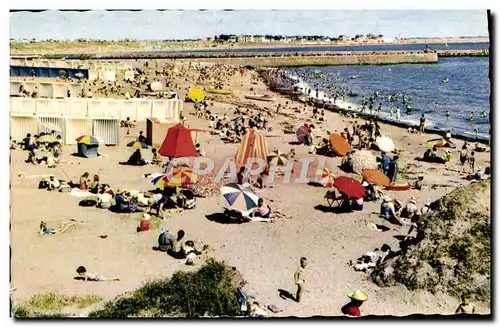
x: 467, y: 89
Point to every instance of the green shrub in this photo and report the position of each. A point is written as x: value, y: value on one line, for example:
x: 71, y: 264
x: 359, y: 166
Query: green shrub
x: 206, y: 292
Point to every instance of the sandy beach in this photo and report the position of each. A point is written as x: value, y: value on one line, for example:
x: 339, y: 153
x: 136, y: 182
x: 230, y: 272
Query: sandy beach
x: 267, y: 255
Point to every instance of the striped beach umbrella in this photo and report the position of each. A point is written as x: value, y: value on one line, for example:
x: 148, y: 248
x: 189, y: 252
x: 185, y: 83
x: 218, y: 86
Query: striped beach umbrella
x: 277, y: 158
x: 327, y: 178
x: 239, y: 197
x: 253, y: 145
x: 177, y: 177
x: 137, y: 145
x: 88, y: 139
x: 301, y: 133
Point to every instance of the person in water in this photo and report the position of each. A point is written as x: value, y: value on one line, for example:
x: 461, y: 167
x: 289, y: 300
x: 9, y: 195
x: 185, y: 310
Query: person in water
x: 483, y: 114
x: 448, y: 114
x: 471, y: 116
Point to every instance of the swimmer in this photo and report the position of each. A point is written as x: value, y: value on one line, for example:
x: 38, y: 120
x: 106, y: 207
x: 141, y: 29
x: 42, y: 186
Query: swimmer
x: 448, y: 114
x: 483, y: 114
x: 471, y: 116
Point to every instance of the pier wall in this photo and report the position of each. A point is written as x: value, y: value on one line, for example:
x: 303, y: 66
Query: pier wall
x: 332, y: 60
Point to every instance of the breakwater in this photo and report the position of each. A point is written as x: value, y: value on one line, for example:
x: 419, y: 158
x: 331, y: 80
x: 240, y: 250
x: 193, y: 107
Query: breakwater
x: 463, y: 53
x: 274, y: 59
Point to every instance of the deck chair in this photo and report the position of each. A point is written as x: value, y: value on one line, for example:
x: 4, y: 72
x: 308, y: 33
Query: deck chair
x: 332, y: 198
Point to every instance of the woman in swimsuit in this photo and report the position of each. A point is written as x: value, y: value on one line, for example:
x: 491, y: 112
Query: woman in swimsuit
x: 265, y: 213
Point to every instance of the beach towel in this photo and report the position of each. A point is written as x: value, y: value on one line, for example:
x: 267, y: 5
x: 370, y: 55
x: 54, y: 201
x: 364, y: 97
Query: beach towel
x: 79, y: 193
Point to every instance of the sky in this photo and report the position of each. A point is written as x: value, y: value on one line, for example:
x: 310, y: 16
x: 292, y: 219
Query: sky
x: 191, y: 24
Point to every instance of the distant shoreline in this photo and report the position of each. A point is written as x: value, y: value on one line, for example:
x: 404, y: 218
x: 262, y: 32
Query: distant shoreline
x: 17, y: 48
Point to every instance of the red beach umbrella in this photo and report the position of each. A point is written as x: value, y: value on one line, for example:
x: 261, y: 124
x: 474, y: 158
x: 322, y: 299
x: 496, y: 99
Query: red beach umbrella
x: 349, y: 187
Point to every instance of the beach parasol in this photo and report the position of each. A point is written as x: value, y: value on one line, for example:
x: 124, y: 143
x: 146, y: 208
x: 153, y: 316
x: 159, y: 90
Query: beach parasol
x: 439, y: 143
x: 375, y: 176
x: 327, y: 178
x: 177, y: 177
x: 301, y: 133
x: 253, y: 146
x: 88, y: 139
x: 47, y: 138
x: 350, y: 187
x: 52, y: 127
x: 156, y: 86
x: 239, y: 196
x: 196, y: 94
x: 277, y: 158
x: 137, y: 145
x: 385, y: 143
x: 363, y: 159
x: 339, y: 144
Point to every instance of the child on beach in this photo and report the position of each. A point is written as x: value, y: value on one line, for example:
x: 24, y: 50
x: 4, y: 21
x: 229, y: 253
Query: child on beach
x: 299, y: 278
x: 83, y: 275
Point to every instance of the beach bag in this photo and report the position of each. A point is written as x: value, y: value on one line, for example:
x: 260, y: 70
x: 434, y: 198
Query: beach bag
x: 87, y: 203
x: 43, y: 184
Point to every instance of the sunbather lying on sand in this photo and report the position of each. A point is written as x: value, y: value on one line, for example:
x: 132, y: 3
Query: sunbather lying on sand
x: 84, y: 275
x: 63, y: 227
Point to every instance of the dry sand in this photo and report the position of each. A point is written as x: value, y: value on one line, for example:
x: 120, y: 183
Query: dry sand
x: 266, y: 254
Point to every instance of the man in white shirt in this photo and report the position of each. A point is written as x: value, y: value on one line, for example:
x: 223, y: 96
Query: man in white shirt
x: 104, y: 200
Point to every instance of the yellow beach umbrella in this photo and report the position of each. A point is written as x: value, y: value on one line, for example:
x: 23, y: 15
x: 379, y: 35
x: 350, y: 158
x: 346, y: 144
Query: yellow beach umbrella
x: 196, y: 94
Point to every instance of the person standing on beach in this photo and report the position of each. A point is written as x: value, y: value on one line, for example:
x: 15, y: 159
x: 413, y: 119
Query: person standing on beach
x: 422, y: 124
x: 398, y: 114
x: 379, y: 110
x: 391, y: 112
x: 472, y: 162
x: 371, y: 108
x: 299, y: 279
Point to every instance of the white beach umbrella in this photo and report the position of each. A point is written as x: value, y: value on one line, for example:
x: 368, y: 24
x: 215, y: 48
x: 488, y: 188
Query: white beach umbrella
x: 385, y: 143
x: 156, y: 86
x: 363, y: 159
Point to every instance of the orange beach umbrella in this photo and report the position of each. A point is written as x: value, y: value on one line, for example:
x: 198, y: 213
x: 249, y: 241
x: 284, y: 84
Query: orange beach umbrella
x: 339, y: 145
x: 375, y: 176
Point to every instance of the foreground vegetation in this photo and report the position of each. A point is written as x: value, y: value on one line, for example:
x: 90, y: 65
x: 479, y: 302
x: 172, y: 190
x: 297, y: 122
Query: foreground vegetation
x: 50, y: 305
x: 454, y: 252
x: 210, y: 291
